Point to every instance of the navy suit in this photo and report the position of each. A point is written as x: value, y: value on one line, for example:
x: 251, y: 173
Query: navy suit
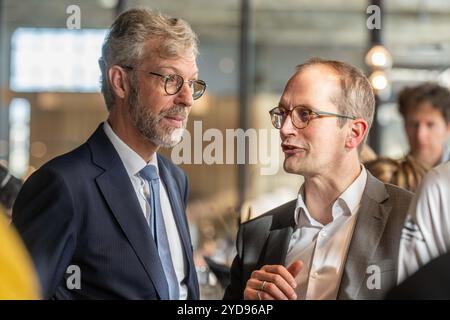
x: 81, y: 209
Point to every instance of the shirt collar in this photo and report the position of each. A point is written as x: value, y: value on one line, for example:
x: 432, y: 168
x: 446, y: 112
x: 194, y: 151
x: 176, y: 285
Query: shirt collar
x: 347, y: 203
x: 353, y: 194
x: 131, y: 160
x: 445, y: 154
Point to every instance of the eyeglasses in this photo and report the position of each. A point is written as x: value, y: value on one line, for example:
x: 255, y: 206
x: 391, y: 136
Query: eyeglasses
x: 300, y: 116
x: 174, y: 82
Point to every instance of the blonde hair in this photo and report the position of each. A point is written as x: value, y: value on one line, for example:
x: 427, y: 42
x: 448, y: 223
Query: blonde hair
x: 131, y: 30
x: 367, y: 154
x: 405, y: 173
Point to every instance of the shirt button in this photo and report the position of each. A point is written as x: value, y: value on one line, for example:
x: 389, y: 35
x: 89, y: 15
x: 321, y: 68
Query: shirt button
x: 323, y: 234
x: 315, y: 275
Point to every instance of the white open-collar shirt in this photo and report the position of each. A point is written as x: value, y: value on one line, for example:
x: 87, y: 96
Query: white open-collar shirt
x: 134, y: 164
x: 323, y: 249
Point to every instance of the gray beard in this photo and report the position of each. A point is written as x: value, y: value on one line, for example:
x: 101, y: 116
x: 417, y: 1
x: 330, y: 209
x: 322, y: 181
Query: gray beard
x: 149, y: 123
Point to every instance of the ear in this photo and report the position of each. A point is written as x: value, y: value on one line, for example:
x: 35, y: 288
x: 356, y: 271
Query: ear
x: 118, y: 80
x: 358, y: 129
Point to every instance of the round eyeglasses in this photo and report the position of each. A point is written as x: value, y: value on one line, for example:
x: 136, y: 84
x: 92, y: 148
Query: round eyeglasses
x: 300, y: 116
x: 174, y: 82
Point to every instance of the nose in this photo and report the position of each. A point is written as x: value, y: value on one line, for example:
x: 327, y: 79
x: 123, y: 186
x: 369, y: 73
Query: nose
x: 421, y: 134
x: 184, y: 96
x: 287, y: 128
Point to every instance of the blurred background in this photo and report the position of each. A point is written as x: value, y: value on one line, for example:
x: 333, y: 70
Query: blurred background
x: 50, y: 101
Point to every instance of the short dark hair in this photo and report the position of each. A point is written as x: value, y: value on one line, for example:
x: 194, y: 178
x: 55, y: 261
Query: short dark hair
x: 411, y: 97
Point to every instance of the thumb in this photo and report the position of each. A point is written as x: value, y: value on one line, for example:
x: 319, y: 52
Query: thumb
x: 295, y: 267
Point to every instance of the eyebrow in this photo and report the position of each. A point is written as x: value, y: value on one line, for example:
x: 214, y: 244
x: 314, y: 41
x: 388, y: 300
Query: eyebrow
x: 307, y: 106
x: 282, y: 106
x: 177, y: 71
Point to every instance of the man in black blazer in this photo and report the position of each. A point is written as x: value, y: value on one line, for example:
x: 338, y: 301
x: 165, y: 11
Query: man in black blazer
x: 107, y: 220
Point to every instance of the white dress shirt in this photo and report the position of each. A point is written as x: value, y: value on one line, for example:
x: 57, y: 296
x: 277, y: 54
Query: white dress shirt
x: 426, y: 234
x: 134, y: 164
x: 323, y: 249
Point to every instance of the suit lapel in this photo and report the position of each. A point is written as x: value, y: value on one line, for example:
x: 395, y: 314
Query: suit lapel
x: 178, y: 210
x: 277, y: 245
x: 371, y: 221
x: 119, y: 193
x: 280, y: 234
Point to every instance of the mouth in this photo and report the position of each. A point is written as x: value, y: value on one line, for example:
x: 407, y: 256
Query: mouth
x: 290, y: 149
x: 175, y: 121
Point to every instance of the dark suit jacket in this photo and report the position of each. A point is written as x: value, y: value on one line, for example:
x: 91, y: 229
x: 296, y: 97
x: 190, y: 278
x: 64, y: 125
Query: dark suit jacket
x: 81, y: 209
x: 431, y: 282
x: 375, y: 241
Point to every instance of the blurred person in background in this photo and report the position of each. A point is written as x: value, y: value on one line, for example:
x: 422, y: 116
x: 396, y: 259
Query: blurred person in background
x: 107, y: 220
x: 426, y: 113
x: 367, y: 154
x: 424, y: 258
x: 9, y: 188
x: 325, y: 243
x: 18, y: 279
x: 426, y: 234
x: 405, y: 173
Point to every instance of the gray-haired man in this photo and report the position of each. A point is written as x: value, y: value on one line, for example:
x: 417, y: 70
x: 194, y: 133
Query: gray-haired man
x: 107, y: 220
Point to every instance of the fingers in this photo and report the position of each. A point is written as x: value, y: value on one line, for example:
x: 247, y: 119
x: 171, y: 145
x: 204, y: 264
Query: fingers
x: 280, y: 283
x: 277, y: 271
x: 271, y: 291
x: 252, y: 294
x: 295, y: 268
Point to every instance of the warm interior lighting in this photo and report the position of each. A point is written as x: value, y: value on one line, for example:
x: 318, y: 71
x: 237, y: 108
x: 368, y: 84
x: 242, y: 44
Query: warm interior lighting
x: 379, y: 57
x: 378, y: 80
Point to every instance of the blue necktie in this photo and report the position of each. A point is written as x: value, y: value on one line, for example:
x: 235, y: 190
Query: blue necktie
x: 158, y: 228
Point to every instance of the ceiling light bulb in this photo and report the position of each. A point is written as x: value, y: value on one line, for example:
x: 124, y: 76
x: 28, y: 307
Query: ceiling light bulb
x: 379, y: 57
x: 378, y: 80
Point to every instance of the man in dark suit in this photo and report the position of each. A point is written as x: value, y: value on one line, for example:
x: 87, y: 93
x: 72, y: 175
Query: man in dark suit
x: 339, y: 239
x: 107, y: 220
